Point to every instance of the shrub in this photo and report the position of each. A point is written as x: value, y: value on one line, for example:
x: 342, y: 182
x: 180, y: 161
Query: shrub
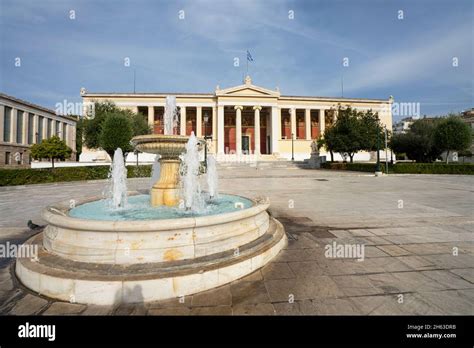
x: 11, y: 177
x: 405, y: 168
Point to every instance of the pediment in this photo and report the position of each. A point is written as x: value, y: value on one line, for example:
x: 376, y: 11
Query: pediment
x: 247, y: 90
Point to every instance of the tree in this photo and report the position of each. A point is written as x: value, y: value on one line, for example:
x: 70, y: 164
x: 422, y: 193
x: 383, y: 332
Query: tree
x: 418, y: 142
x: 452, y: 134
x: 139, y: 123
x: 79, y: 134
x: 93, y: 127
x: 116, y: 131
x: 328, y: 141
x: 352, y: 132
x: 52, y: 148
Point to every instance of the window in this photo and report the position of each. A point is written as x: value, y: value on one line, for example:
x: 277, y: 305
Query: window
x: 285, y: 124
x: 314, y: 124
x: 7, y: 157
x: 39, y: 135
x: 19, y: 127
x: 31, y: 120
x: 64, y: 137
x: 300, y: 124
x: 7, y: 123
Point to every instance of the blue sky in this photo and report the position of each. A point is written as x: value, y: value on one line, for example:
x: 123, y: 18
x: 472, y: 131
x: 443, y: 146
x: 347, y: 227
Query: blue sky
x: 410, y: 59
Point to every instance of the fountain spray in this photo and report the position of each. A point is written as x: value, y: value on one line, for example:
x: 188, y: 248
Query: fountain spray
x: 171, y: 115
x: 191, y: 188
x: 116, y: 190
x: 212, y: 177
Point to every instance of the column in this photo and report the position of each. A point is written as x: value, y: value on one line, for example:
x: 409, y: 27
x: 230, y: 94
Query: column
x: 135, y: 109
x: 307, y: 123
x: 53, y: 127
x: 182, y: 121
x: 322, y: 121
x: 2, y: 121
x: 35, y: 128
x: 151, y: 117
x: 276, y: 128
x: 214, y: 130
x: 45, y: 128
x: 13, y: 124
x: 66, y: 134
x: 25, y: 127
x: 257, y: 129
x: 293, y: 122
x: 73, y: 141
x: 199, y: 121
x: 238, y: 129
x: 220, y: 130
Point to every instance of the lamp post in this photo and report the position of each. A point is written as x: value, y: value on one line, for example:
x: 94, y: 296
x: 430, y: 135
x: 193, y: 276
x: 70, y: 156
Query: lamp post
x: 292, y: 146
x: 136, y: 152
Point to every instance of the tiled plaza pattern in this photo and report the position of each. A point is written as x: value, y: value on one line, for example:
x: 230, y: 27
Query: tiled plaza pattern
x: 411, y: 226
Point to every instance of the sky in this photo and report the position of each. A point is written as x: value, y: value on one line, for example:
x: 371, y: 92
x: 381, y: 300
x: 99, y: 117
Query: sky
x: 424, y: 54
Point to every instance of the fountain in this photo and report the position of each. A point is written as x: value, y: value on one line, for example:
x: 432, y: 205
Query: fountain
x: 166, y: 190
x: 171, y: 241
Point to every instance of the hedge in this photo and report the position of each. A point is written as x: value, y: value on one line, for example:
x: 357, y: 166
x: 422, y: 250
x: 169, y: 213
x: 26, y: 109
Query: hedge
x: 405, y: 168
x: 11, y: 177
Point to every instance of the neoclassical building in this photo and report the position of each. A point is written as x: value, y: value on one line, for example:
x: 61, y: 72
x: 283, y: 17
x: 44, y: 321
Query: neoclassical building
x: 245, y: 119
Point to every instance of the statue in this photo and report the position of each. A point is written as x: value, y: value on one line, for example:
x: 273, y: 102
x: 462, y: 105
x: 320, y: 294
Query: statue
x: 314, y: 147
x: 315, y: 160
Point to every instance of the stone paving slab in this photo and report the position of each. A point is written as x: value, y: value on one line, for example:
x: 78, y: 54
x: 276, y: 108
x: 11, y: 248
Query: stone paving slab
x: 29, y: 305
x: 64, y: 308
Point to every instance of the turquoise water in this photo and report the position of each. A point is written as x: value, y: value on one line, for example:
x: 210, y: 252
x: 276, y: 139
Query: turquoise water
x: 138, y: 208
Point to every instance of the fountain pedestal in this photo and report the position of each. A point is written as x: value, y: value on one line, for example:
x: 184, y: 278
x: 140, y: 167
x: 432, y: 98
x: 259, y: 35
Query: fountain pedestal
x: 165, y: 191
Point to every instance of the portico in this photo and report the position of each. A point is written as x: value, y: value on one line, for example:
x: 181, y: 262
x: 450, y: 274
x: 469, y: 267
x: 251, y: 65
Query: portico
x: 247, y: 119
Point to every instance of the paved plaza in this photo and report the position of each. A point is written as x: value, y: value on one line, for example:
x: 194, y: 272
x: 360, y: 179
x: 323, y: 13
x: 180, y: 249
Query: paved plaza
x: 417, y: 233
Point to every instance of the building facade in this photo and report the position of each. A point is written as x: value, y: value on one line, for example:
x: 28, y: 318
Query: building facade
x: 23, y: 124
x: 244, y: 120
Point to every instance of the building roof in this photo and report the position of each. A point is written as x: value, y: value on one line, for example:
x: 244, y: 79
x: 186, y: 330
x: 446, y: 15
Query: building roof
x: 247, y: 85
x: 162, y: 94
x: 36, y: 106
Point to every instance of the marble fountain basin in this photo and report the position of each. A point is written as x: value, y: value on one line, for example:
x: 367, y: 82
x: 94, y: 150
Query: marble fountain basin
x: 111, y: 262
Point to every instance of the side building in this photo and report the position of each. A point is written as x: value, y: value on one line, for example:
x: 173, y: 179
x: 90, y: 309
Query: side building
x: 23, y: 124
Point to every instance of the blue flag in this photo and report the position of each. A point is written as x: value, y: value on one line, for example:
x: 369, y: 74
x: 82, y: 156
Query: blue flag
x: 249, y: 57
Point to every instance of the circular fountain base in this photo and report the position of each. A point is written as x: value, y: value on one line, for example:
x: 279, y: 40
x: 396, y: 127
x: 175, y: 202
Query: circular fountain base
x: 107, y: 262
x: 107, y: 284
